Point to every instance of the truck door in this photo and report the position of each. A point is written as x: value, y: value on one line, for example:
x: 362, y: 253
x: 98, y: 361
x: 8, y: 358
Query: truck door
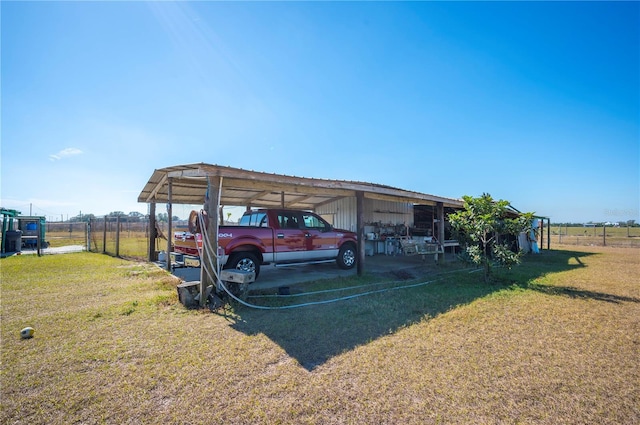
x: 290, y: 241
x: 321, y: 240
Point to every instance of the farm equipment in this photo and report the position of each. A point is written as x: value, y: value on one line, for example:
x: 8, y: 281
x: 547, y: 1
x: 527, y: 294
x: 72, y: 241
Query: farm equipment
x: 33, y: 228
x: 30, y: 231
x: 11, y: 239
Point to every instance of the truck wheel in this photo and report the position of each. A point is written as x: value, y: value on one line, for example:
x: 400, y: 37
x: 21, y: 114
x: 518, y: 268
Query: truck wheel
x: 346, y: 257
x: 244, y: 261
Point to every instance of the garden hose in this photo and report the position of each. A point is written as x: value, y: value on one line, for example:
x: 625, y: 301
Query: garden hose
x: 208, y: 265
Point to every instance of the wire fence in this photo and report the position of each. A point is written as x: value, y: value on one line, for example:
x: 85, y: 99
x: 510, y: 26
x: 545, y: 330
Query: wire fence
x: 109, y: 235
x: 125, y: 239
x: 65, y: 233
x: 113, y: 236
x: 596, y: 236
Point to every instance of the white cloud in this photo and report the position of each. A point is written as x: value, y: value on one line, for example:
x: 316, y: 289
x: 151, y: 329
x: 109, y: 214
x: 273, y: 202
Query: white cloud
x: 65, y: 153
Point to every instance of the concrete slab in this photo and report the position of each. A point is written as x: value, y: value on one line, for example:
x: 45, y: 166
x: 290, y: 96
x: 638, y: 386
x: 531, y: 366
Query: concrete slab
x: 57, y: 250
x: 275, y: 277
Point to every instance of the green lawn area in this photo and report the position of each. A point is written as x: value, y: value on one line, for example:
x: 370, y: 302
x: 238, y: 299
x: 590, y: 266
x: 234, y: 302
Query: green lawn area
x: 553, y: 341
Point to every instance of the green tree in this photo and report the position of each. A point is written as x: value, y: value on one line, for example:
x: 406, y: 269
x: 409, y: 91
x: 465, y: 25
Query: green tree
x: 82, y: 218
x: 135, y: 216
x: 483, y: 228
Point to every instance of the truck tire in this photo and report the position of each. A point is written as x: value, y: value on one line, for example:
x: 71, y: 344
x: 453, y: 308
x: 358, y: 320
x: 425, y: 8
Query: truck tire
x: 245, y: 261
x: 346, y: 256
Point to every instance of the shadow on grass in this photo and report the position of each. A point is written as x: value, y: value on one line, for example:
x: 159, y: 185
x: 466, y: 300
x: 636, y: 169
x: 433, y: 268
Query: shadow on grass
x: 314, y: 334
x: 570, y: 292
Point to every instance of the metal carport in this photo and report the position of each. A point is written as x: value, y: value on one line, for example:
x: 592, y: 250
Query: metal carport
x: 215, y: 186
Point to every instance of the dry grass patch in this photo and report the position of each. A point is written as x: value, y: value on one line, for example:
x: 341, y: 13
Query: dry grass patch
x: 555, y: 341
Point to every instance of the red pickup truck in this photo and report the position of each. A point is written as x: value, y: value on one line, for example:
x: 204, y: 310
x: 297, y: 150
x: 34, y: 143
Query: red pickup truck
x: 278, y: 236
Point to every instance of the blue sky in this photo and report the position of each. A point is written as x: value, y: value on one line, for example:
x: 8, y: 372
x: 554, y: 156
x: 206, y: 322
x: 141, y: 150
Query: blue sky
x: 537, y: 103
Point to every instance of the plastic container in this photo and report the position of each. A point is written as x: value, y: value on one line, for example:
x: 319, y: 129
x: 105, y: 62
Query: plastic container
x: 14, y: 241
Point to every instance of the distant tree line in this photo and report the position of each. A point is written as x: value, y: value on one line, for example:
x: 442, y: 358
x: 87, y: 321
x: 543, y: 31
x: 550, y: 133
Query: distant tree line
x: 630, y: 223
x: 132, y: 217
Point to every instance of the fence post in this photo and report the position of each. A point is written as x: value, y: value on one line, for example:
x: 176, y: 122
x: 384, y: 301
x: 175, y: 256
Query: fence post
x: 117, y: 236
x: 604, y: 235
x: 87, y: 234
x: 104, y: 239
x: 560, y: 234
x: 39, y: 238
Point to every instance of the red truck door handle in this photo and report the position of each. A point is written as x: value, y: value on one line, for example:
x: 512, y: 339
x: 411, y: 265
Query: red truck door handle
x: 280, y: 235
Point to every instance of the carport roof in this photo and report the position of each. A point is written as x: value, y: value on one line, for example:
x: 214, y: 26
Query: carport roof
x: 258, y: 189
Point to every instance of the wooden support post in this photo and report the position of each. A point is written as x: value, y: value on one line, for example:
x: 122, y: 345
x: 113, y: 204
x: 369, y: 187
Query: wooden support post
x: 548, y: 234
x: 152, y: 232
x: 542, y: 233
x: 281, y: 199
x: 360, y: 231
x: 169, y: 221
x: 433, y: 222
x: 209, y: 259
x: 604, y: 235
x: 440, y: 215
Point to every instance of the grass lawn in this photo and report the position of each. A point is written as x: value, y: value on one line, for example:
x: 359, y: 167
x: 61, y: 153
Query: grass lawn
x: 553, y: 341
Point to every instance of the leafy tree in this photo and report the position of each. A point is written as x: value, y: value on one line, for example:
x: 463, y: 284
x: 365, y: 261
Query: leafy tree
x: 483, y: 228
x: 135, y: 216
x: 82, y: 218
x: 164, y: 217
